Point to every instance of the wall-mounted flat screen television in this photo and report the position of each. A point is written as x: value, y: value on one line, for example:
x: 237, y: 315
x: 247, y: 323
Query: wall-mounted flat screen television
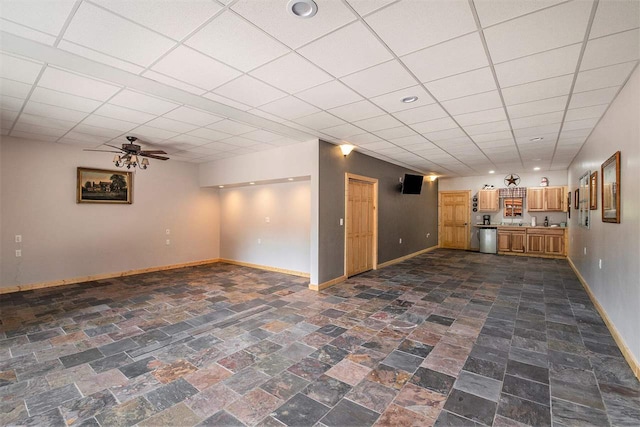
x: 412, y: 184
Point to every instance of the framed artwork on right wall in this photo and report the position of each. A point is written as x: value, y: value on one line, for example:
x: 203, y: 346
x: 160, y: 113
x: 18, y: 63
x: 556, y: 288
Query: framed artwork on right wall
x: 610, y: 179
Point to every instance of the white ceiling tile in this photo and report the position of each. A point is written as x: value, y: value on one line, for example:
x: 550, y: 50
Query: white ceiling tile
x: 614, y: 75
x: 569, y: 134
x: 46, y: 122
x: 392, y: 102
x: 63, y: 81
x: 19, y: 69
x: 161, y: 78
x: 99, y: 57
x: 542, y: 89
x: 580, y: 124
x: 123, y: 113
x: 109, y: 123
x: 239, y: 141
x: 271, y: 16
x: 393, y: 133
x: 262, y: 136
x: 329, y: 95
x: 377, y: 145
x: 45, y: 110
x: 479, y: 117
x: 100, y: 30
x: 26, y: 32
x: 291, y: 73
x: 184, y: 141
x: 342, y: 131
x: 356, y: 111
x: 421, y: 114
x: 543, y: 106
x: 319, y: 120
x: 363, y: 138
x: 193, y: 116
x: 20, y: 126
x: 492, y: 12
x: 593, y: 97
x: 97, y: 131
x: 34, y: 136
x: 383, y: 78
x: 226, y: 101
x: 615, y: 16
x: 48, y: 16
x: 586, y: 113
x: 289, y: 108
x: 378, y: 123
x: 268, y: 116
x: 494, y: 143
x: 446, y: 59
x: 231, y: 127
x: 350, y: 49
x: 615, y: 49
x: 538, y: 120
x: 174, y: 19
x: 540, y: 66
x: 464, y: 84
x: 195, y: 68
x: 443, y: 135
x: 232, y: 40
x: 8, y: 115
x: 249, y: 91
x: 547, y: 131
x: 409, y: 26
x: 469, y: 104
x: 141, y: 102
x: 434, y: 125
x: 540, y: 31
x: 14, y: 88
x: 170, y: 125
x: 150, y: 133
x: 209, y: 134
x: 413, y: 141
x: 485, y: 128
x: 65, y: 100
x: 11, y: 103
x: 79, y: 139
x: 363, y: 7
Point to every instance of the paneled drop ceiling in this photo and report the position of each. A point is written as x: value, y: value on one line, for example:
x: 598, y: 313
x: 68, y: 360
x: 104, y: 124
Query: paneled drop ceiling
x: 501, y: 84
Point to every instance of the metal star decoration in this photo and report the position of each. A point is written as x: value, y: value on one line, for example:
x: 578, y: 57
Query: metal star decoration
x: 511, y: 179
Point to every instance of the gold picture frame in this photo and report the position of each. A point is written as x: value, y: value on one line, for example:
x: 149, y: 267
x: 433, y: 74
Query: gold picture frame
x: 593, y: 191
x: 104, y: 186
x: 610, y: 183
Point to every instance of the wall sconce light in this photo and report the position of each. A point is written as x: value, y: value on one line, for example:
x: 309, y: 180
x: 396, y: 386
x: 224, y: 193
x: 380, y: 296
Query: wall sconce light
x: 346, y: 149
x: 433, y: 177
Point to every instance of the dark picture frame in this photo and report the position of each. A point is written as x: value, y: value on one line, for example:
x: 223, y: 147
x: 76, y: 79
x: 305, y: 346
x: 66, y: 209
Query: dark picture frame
x: 104, y: 186
x: 610, y: 183
x: 569, y: 204
x: 593, y: 191
x: 576, y: 199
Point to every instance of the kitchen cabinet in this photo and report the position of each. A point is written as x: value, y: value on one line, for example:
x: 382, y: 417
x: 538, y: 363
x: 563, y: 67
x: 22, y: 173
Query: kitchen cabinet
x: 511, y: 240
x: 518, y: 241
x: 534, y: 241
x: 488, y: 200
x: 554, y: 244
x: 546, y: 199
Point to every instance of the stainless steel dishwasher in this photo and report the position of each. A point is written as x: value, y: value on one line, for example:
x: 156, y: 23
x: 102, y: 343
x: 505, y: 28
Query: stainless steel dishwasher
x: 488, y: 240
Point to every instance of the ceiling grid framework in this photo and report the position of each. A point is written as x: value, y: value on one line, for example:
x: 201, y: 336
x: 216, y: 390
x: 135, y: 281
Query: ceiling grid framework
x: 208, y: 80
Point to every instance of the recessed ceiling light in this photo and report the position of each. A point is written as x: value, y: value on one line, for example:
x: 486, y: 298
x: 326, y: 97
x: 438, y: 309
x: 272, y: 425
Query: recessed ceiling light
x: 536, y: 168
x: 220, y: 186
x: 252, y: 183
x: 538, y: 138
x: 409, y: 99
x: 492, y: 171
x: 302, y: 8
x: 290, y: 179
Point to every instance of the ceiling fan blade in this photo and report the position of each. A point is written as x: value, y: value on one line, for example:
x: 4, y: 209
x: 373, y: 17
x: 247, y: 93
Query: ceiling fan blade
x: 113, y: 146
x: 104, y: 151
x: 142, y: 153
x: 153, y: 156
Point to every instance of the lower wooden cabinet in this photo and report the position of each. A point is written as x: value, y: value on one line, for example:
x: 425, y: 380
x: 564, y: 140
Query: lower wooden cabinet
x: 532, y: 240
x: 554, y: 244
x: 518, y: 242
x: 535, y: 244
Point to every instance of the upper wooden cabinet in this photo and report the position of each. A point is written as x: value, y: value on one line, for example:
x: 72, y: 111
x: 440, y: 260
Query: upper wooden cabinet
x: 546, y: 199
x: 488, y: 200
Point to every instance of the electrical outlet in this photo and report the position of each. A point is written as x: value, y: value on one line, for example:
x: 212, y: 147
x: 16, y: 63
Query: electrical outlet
x: 341, y: 221
x: 18, y: 238
x: 428, y: 234
x: 18, y: 253
x: 168, y: 242
x: 167, y: 231
x: 600, y: 264
x: 401, y: 240
x: 585, y: 250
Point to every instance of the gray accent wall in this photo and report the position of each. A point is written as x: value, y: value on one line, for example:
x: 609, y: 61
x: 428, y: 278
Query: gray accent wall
x: 405, y: 216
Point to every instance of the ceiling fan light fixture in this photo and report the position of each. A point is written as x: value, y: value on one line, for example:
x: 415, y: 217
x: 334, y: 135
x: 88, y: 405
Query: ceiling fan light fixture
x: 409, y: 99
x: 302, y: 8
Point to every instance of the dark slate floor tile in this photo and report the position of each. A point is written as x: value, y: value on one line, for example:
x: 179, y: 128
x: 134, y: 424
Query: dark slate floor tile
x: 569, y: 359
x: 577, y: 393
x: 569, y: 414
x: 48, y: 400
x: 284, y: 385
x: 110, y: 362
x: 327, y: 390
x: 309, y: 369
x: 51, y: 418
x: 524, y: 411
x: 118, y: 346
x: 140, y: 367
x: 76, y: 359
x: 77, y: 411
x: 331, y: 330
x: 432, y: 380
x: 448, y: 419
x: 486, y: 368
x: 347, y: 413
x: 479, y: 385
x: 222, y: 419
x: 470, y: 406
x: 446, y: 321
x: 126, y: 414
x: 170, y: 394
x: 245, y: 380
x: 404, y: 361
x: 329, y: 354
x: 526, y: 389
x: 527, y: 371
x: 300, y: 410
x: 529, y: 357
x: 415, y: 347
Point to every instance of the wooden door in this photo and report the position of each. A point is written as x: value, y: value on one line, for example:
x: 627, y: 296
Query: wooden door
x: 553, y: 198
x: 504, y: 241
x: 454, y: 219
x: 360, y: 232
x: 517, y: 242
x: 535, y: 199
x: 535, y: 244
x: 554, y: 244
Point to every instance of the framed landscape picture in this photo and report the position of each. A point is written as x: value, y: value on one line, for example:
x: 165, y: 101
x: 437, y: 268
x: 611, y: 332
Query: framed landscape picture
x: 103, y: 186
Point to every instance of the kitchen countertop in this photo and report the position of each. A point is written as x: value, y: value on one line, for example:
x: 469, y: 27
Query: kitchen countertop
x: 516, y: 226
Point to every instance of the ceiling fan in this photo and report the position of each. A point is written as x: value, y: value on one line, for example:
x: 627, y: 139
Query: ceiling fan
x: 128, y: 154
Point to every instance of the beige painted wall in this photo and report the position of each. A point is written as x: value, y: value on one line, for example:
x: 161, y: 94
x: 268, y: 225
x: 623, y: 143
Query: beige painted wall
x: 616, y: 285
x: 64, y: 240
x: 284, y: 241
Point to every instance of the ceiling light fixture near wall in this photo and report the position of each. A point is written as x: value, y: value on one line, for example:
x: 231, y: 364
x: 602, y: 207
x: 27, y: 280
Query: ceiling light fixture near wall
x: 220, y: 186
x: 290, y: 179
x: 433, y: 177
x: 346, y: 149
x: 536, y: 168
x: 492, y: 171
x: 302, y: 8
x: 409, y: 99
x: 252, y: 183
x: 536, y: 139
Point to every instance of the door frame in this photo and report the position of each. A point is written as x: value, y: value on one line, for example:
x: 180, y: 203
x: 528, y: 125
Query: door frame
x: 374, y: 246
x: 467, y: 220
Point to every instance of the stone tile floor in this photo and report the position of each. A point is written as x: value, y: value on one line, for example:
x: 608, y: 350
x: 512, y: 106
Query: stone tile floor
x: 446, y: 338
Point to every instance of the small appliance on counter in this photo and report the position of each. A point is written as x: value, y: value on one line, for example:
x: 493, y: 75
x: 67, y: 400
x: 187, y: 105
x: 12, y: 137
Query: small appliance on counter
x: 534, y: 221
x: 486, y: 219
